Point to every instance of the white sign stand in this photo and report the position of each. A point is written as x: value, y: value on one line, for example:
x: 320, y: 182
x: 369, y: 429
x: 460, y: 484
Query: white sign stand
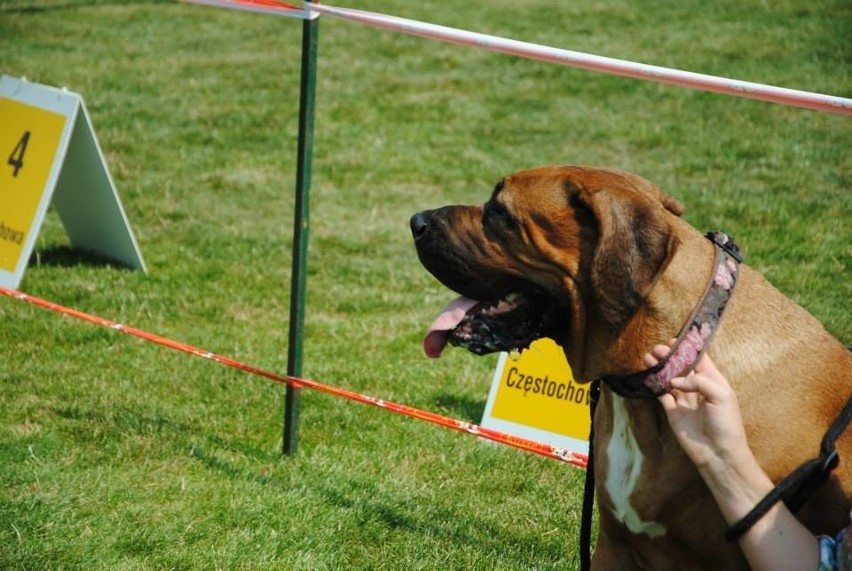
x: 48, y: 152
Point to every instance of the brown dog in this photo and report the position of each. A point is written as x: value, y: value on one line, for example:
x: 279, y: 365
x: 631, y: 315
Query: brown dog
x: 600, y: 261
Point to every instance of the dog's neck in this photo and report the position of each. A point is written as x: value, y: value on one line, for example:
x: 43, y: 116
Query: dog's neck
x: 675, y: 295
x: 668, y: 306
x: 695, y: 335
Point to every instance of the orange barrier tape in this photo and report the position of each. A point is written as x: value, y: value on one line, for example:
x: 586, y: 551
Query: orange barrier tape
x: 555, y: 452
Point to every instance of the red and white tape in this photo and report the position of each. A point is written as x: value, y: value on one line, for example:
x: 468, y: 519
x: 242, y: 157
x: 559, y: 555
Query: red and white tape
x: 624, y: 68
x: 781, y: 95
x: 271, y: 7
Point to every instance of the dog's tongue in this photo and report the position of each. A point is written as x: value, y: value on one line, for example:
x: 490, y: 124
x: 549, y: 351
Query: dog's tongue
x: 437, y: 336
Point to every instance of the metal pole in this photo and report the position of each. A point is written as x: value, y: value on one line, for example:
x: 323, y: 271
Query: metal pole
x: 298, y: 280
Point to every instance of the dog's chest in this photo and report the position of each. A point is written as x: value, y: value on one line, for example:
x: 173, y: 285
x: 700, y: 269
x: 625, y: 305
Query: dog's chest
x: 624, y: 466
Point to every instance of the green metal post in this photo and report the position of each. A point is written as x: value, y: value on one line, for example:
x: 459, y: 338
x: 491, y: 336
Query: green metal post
x: 298, y: 280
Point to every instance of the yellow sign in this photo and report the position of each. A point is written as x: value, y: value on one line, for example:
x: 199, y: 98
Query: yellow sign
x: 28, y: 142
x: 49, y: 156
x: 536, y: 396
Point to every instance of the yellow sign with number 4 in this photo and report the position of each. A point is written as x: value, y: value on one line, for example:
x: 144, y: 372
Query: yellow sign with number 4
x: 28, y: 142
x: 49, y: 155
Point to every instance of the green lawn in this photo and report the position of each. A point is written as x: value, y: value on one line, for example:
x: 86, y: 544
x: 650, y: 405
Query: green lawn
x: 118, y: 454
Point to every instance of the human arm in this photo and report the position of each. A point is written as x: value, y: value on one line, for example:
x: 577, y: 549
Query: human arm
x: 703, y: 412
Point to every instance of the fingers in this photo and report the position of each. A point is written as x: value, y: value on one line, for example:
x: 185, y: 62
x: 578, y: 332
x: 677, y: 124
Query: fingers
x: 706, y: 365
x: 707, y: 381
x: 679, y: 401
x: 650, y: 359
x: 689, y: 383
x: 668, y: 401
x: 657, y: 353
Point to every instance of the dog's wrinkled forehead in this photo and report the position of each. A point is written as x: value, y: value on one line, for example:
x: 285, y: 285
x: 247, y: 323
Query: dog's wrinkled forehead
x: 531, y: 191
x: 552, y: 188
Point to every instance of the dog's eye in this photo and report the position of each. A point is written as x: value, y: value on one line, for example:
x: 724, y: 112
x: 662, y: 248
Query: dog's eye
x: 496, y: 212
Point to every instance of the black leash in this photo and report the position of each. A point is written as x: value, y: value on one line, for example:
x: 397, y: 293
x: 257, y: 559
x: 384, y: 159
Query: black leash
x: 589, y: 487
x: 798, y: 486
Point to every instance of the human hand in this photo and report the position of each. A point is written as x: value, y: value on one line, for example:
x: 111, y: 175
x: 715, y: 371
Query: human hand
x: 704, y: 414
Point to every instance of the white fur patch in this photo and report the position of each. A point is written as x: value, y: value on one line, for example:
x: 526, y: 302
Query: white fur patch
x: 624, y: 461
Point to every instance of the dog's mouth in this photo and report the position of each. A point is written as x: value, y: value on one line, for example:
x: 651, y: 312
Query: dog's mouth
x: 509, y: 323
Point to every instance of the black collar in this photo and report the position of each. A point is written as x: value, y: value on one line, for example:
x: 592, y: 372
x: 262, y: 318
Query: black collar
x: 695, y: 336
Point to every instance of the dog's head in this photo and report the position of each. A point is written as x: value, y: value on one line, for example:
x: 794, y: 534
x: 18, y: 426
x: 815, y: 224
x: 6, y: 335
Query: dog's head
x: 553, y: 248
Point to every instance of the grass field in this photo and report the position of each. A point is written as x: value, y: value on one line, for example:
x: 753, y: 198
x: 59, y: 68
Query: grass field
x: 117, y: 454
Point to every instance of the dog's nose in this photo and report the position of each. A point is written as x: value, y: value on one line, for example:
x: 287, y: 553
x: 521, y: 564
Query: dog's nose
x: 420, y: 223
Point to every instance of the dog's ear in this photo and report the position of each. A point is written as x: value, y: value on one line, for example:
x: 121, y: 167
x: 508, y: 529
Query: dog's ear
x: 634, y: 244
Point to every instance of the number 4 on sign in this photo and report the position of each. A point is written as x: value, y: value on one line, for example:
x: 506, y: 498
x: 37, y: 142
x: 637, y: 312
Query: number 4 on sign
x: 52, y: 156
x: 16, y: 159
